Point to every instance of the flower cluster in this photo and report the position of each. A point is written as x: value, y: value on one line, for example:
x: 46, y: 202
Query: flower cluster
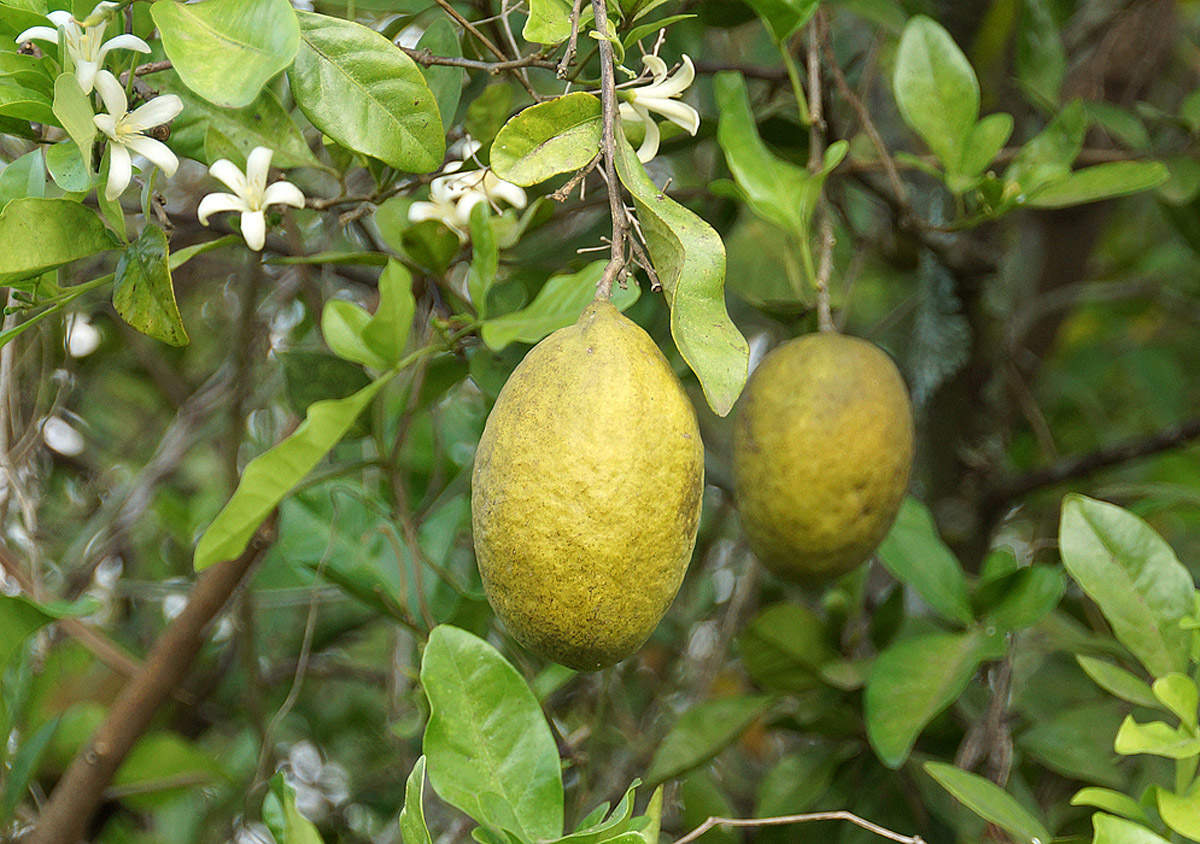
x: 452, y: 196
x: 85, y: 42
x: 126, y: 132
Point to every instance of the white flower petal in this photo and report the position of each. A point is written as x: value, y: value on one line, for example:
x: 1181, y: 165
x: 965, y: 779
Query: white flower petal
x: 510, y: 193
x: 112, y: 94
x: 254, y: 229
x: 61, y: 18
x: 681, y: 114
x: 657, y: 68
x: 470, y: 147
x: 283, y: 193
x: 125, y: 42
x: 158, y: 152
x: 154, y: 113
x: 258, y: 165
x: 420, y: 211
x: 649, y: 147
x: 120, y: 171
x: 462, y: 209
x: 39, y: 33
x: 678, y: 83
x: 61, y: 437
x: 107, y: 124
x: 85, y: 74
x: 228, y: 172
x: 215, y: 203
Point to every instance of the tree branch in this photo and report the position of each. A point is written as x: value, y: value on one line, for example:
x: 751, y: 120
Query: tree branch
x: 426, y: 58
x: 816, y: 153
x: 66, y: 815
x: 615, y: 270
x: 840, y: 815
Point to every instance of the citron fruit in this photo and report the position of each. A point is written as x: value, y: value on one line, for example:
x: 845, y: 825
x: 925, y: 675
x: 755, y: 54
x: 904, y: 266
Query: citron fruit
x: 586, y: 492
x: 822, y: 452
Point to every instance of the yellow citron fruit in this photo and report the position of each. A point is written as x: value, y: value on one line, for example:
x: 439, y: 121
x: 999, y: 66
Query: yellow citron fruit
x: 822, y: 452
x: 586, y: 492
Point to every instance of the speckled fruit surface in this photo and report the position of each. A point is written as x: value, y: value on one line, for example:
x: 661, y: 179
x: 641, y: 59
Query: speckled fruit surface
x: 822, y: 451
x: 586, y: 492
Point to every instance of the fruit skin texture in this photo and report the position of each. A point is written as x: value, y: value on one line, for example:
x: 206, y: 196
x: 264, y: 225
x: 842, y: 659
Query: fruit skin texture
x: 586, y: 492
x: 822, y: 451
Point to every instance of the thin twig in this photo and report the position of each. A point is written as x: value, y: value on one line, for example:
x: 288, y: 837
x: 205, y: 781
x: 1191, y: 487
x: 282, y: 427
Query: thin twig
x: 427, y: 58
x: 147, y: 68
x: 66, y: 815
x: 615, y: 270
x: 486, y: 42
x: 816, y: 155
x: 782, y: 820
x: 572, y: 41
x: 563, y: 193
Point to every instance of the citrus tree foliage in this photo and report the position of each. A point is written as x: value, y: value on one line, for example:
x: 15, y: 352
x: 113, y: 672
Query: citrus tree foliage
x: 267, y: 265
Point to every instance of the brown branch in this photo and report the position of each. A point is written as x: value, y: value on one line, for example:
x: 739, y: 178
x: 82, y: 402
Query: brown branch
x: 426, y: 58
x: 615, y: 271
x: 816, y: 153
x: 147, y: 68
x: 487, y: 42
x: 65, y: 817
x: 840, y: 815
x: 573, y: 41
x: 1084, y: 464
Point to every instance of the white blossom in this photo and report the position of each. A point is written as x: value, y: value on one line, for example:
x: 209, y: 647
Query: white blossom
x: 82, y: 337
x: 660, y: 97
x: 85, y: 41
x: 61, y: 437
x: 251, y: 195
x: 452, y: 196
x: 126, y: 131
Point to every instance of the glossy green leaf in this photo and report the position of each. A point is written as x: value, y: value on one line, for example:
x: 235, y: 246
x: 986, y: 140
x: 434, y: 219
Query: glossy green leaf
x: 37, y: 235
x: 699, y: 798
x: 990, y: 802
x: 1110, y: 801
x: 914, y: 680
x: 1048, y: 156
x: 361, y: 90
x: 784, y: 18
x: 485, y: 258
x: 546, y: 139
x: 1117, y: 681
x: 441, y: 38
x: 1024, y: 597
x: 24, y: 766
x: 798, y: 781
x: 1155, y: 738
x: 144, y: 295
x: 916, y: 556
x: 227, y: 50
x: 19, y: 618
x: 1102, y: 181
x: 412, y: 817
x: 1133, y: 576
x: 270, y: 476
x: 1181, y: 812
x: 74, y: 111
x: 487, y: 736
x: 1076, y: 742
x: 653, y: 813
x: 25, y: 103
x: 26, y: 176
x: 653, y: 28
x: 282, y: 817
x: 1179, y: 694
x: 602, y: 828
x: 690, y: 261
x: 702, y: 732
x: 67, y: 168
x: 1041, y: 59
x: 265, y: 122
x: 936, y: 89
x: 984, y: 143
x: 557, y: 305
x: 378, y: 341
x: 1114, y: 830
x: 549, y: 21
x: 785, y: 647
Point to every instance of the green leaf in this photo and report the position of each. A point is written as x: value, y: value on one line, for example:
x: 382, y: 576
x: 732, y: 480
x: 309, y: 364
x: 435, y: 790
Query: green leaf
x: 1077, y: 743
x: 361, y: 90
x: 1024, y: 597
x: 1041, y: 59
x: 1113, y: 830
x: 785, y: 647
x: 605, y: 829
x: 264, y: 122
x: 412, y: 817
x: 650, y: 833
x: 74, y: 111
x: 549, y: 22
x: 19, y: 618
x: 557, y: 305
x: 143, y: 294
x: 24, y: 767
x: 990, y: 802
x: 487, y: 735
x: 914, y: 680
x: 270, y: 476
x: 1181, y: 812
x: 936, y: 90
x: 1156, y: 739
x: 282, y: 817
x: 639, y: 32
x: 1179, y: 694
x: 37, y: 235
x: 784, y: 18
x: 690, y: 261
x: 1110, y: 801
x: 67, y: 168
x: 916, y: 556
x: 1117, y: 681
x: 702, y: 732
x: 1133, y: 576
x: 546, y: 139
x: 1103, y: 181
x: 446, y: 83
x: 797, y: 781
x: 987, y: 138
x: 1048, y: 156
x: 227, y: 50
x: 485, y: 257
x: 24, y: 103
x: 379, y: 340
x: 23, y: 177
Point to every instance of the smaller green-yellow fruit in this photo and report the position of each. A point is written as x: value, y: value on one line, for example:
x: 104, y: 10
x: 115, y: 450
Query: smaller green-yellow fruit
x: 822, y: 452
x: 586, y: 492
